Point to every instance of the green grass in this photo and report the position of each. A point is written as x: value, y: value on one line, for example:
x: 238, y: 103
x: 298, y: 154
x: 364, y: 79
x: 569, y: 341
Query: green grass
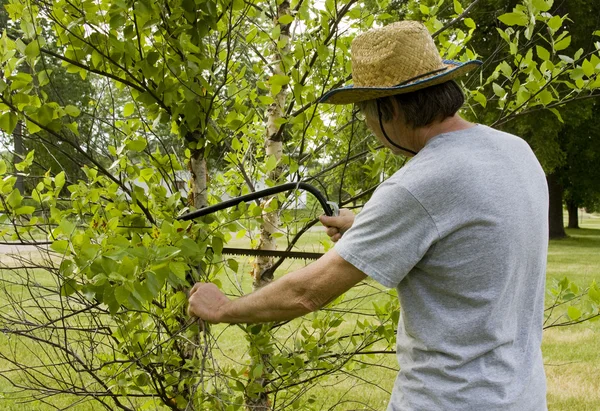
x: 570, y: 353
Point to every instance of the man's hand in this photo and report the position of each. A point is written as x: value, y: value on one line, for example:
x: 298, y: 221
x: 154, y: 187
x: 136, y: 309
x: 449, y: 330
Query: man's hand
x: 337, y: 226
x: 206, y: 302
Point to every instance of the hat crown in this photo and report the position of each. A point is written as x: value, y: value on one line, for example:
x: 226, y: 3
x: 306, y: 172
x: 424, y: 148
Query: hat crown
x: 393, y: 54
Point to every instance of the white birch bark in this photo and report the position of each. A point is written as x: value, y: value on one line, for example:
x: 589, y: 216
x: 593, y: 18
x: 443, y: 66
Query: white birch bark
x: 273, y: 147
x: 198, y: 192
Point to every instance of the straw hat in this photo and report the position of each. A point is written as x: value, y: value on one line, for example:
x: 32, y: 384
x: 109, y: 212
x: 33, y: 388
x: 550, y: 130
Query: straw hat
x: 398, y: 58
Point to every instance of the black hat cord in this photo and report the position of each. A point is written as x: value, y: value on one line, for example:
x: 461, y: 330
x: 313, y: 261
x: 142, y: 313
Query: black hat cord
x: 385, y: 134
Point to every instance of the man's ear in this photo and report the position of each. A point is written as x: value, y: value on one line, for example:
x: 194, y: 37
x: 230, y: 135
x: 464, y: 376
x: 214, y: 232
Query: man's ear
x: 398, y: 113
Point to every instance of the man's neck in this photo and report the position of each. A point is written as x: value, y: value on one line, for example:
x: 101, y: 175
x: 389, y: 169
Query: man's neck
x: 454, y: 123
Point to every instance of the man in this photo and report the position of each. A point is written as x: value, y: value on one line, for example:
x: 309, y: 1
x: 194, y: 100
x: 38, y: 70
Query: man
x: 460, y: 232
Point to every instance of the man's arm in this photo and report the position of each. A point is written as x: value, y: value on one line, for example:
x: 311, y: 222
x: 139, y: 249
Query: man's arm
x: 291, y: 296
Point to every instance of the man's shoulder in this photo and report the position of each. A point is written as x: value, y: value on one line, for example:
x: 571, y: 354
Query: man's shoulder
x: 466, y: 164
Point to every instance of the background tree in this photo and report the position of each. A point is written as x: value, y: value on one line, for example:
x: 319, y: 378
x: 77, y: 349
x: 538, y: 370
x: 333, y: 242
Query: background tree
x: 567, y: 61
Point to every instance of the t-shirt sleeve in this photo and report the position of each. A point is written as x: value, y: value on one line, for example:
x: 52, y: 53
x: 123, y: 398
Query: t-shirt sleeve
x: 389, y: 236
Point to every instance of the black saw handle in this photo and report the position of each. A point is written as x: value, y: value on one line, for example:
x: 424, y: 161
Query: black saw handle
x: 329, y: 208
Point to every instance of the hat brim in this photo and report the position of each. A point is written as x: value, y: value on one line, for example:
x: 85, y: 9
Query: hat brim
x: 350, y: 94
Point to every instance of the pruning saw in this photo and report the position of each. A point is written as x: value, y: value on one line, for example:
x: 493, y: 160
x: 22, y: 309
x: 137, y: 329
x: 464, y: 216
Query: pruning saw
x: 330, y: 208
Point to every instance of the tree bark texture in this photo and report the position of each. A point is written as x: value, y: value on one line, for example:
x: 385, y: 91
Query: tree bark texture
x: 19, y: 154
x: 573, y: 211
x: 555, y: 215
x: 273, y: 147
x: 198, y: 197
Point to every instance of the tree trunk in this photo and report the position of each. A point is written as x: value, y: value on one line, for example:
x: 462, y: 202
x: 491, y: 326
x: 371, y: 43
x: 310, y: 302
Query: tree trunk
x: 273, y: 147
x: 573, y: 211
x: 555, y: 215
x: 198, y: 197
x: 19, y: 154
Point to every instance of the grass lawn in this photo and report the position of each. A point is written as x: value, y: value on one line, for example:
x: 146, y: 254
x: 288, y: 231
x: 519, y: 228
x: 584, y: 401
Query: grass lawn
x: 570, y: 353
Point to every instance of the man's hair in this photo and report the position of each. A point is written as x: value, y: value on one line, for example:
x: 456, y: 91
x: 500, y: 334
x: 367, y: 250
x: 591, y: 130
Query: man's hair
x: 419, y: 108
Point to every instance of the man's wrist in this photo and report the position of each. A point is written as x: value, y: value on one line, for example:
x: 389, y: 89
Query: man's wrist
x: 222, y: 314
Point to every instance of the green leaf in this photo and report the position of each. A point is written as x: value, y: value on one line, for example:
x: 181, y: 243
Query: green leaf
x: 122, y: 294
x: 154, y: 283
x: 424, y: 9
x: 32, y: 50
x: 505, y: 69
x: 143, y: 292
x: 545, y: 97
x: 257, y: 371
x: 563, y: 44
x: 2, y: 167
x: 142, y: 380
x: 69, y: 287
x: 251, y: 34
x: 543, y: 5
x: 25, y: 164
x: 25, y: 210
x: 72, y: 111
x: 8, y: 122
x: 266, y: 100
x: 479, y: 97
x: 470, y: 23
x: 233, y: 264
x: 43, y: 77
x: 458, y: 8
x: 32, y: 128
x: 588, y: 68
x: 179, y: 269
x: 128, y: 109
x: 499, y: 91
x: 146, y: 174
x: 279, y: 80
x: 59, y: 180
x: 574, y: 313
x: 514, y: 19
x: 217, y: 245
x: 557, y: 114
x: 542, y: 53
x: 554, y: 23
x: 14, y: 199
x: 271, y: 163
x: 285, y: 19
x: 60, y: 246
x: 137, y: 145
x: 566, y: 59
x: 67, y: 227
x: 594, y: 293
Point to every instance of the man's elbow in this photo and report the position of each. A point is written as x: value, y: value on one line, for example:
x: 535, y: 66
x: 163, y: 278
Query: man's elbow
x: 309, y: 303
x: 308, y: 299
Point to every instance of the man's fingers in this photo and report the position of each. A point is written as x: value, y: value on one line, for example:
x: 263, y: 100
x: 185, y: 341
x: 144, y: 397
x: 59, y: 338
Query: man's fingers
x: 336, y: 237
x: 331, y: 231
x: 328, y: 221
x: 194, y: 289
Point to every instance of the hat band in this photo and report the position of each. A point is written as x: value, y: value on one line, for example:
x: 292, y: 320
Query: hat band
x: 410, y: 80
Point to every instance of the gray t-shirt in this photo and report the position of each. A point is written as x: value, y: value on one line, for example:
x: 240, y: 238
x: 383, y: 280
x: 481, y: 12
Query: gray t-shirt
x: 461, y: 232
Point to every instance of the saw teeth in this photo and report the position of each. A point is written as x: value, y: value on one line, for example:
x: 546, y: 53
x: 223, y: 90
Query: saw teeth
x: 300, y: 255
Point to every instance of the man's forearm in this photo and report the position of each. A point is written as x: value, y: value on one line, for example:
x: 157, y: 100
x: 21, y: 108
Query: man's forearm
x: 293, y: 295
x: 281, y: 300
